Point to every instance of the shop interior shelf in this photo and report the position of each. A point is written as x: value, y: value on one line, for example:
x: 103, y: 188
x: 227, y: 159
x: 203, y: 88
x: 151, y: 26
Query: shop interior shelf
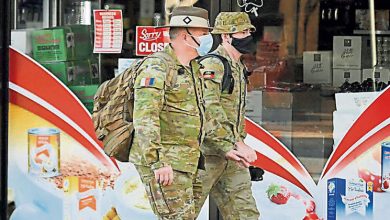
x: 367, y: 32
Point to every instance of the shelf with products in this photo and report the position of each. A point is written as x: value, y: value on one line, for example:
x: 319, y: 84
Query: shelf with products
x: 368, y: 32
x: 350, y: 17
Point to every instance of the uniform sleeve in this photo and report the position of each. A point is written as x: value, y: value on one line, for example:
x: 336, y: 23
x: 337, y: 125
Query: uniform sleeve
x: 242, y: 129
x: 219, y: 130
x: 148, y: 103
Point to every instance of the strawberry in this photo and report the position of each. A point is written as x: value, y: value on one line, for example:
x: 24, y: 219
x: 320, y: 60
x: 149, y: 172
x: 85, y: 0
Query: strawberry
x: 310, y: 205
x: 367, y: 176
x: 278, y: 194
x: 386, y: 184
x: 311, y: 216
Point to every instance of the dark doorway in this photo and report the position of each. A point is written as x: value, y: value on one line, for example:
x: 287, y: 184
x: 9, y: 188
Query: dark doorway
x: 4, y: 42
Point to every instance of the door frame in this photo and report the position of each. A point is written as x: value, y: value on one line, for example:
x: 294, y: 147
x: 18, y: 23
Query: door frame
x: 4, y: 79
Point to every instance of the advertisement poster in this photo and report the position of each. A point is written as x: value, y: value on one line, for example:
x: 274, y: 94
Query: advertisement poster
x: 150, y: 39
x: 355, y: 180
x: 57, y: 169
x: 108, y: 31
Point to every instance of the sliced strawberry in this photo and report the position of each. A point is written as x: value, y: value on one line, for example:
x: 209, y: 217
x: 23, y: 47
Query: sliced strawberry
x: 278, y: 194
x: 311, y: 216
x: 310, y: 205
x: 367, y: 176
x: 386, y: 184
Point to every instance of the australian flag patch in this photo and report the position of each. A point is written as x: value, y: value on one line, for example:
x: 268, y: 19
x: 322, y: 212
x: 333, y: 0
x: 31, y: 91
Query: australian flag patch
x: 146, y: 81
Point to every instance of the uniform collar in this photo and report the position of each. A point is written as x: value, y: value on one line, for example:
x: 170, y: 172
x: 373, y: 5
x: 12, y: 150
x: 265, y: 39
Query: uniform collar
x: 169, y: 50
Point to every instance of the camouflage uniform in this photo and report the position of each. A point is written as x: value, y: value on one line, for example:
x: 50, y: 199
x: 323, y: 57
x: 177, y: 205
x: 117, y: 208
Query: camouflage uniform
x: 228, y: 184
x: 168, y: 123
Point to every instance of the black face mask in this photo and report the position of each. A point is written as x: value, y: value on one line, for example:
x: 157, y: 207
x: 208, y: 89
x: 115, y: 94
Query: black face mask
x: 244, y: 45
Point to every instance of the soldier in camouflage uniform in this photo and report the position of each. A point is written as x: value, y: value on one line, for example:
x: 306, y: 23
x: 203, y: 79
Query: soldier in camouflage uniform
x: 169, y: 119
x: 227, y: 181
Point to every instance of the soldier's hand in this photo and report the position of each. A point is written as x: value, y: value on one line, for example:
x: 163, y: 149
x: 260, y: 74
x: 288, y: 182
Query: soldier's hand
x: 243, y: 164
x: 248, y: 152
x: 164, y: 175
x: 237, y: 156
x: 234, y: 155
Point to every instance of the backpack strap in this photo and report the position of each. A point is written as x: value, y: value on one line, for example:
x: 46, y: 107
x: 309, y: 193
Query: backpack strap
x: 227, y: 79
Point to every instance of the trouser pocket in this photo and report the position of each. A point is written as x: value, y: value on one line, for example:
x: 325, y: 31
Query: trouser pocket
x: 157, y: 197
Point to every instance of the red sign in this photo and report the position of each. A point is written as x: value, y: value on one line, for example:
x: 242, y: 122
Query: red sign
x: 108, y: 31
x: 150, y: 39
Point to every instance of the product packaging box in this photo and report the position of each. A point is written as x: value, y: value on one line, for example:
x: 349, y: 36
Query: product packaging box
x: 351, y: 102
x: 386, y: 166
x: 342, y: 75
x: 350, y: 199
x: 317, y: 67
x: 366, y: 52
x: 362, y: 19
x: 21, y: 40
x: 379, y: 75
x: 85, y: 92
x: 81, y: 198
x: 382, y: 20
x: 68, y: 43
x: 347, y: 52
x: 79, y: 72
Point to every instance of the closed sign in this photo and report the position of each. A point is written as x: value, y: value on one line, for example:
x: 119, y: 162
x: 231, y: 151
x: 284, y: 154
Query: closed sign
x: 150, y: 39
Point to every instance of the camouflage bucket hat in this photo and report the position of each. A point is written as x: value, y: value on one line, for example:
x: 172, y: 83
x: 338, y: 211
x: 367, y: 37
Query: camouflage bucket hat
x: 191, y: 17
x: 232, y: 22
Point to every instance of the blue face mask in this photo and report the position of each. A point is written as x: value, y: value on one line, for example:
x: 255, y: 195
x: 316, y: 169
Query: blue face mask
x: 205, y: 43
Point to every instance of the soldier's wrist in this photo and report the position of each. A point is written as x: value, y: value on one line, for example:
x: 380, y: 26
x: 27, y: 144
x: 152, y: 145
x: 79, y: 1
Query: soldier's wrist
x: 228, y: 148
x: 158, y: 165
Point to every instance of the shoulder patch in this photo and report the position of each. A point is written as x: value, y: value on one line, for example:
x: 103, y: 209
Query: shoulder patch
x: 147, y: 81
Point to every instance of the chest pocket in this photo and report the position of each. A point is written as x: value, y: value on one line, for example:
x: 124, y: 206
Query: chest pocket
x: 182, y: 90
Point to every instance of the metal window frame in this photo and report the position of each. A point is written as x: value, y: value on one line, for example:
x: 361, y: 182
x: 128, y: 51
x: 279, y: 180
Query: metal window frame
x: 5, y: 22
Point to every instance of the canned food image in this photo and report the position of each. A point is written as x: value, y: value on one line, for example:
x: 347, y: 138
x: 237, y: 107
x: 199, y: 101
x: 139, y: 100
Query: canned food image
x: 44, y: 152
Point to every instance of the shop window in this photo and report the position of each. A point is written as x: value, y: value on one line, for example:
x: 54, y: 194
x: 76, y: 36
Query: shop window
x: 296, y: 72
x: 291, y: 90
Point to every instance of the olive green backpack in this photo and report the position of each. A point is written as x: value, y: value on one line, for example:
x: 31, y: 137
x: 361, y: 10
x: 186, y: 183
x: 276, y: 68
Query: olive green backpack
x: 113, y: 108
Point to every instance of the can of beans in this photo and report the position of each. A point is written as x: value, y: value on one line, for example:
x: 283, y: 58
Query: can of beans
x: 44, y: 152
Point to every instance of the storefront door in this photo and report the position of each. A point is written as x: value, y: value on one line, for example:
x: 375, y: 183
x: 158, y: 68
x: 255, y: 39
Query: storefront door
x: 4, y: 42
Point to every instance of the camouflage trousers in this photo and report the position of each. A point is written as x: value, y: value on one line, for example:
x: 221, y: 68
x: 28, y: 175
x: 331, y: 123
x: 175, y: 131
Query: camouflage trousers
x: 176, y: 201
x: 230, y: 187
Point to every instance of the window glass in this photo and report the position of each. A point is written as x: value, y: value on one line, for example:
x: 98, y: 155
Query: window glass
x: 296, y: 70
